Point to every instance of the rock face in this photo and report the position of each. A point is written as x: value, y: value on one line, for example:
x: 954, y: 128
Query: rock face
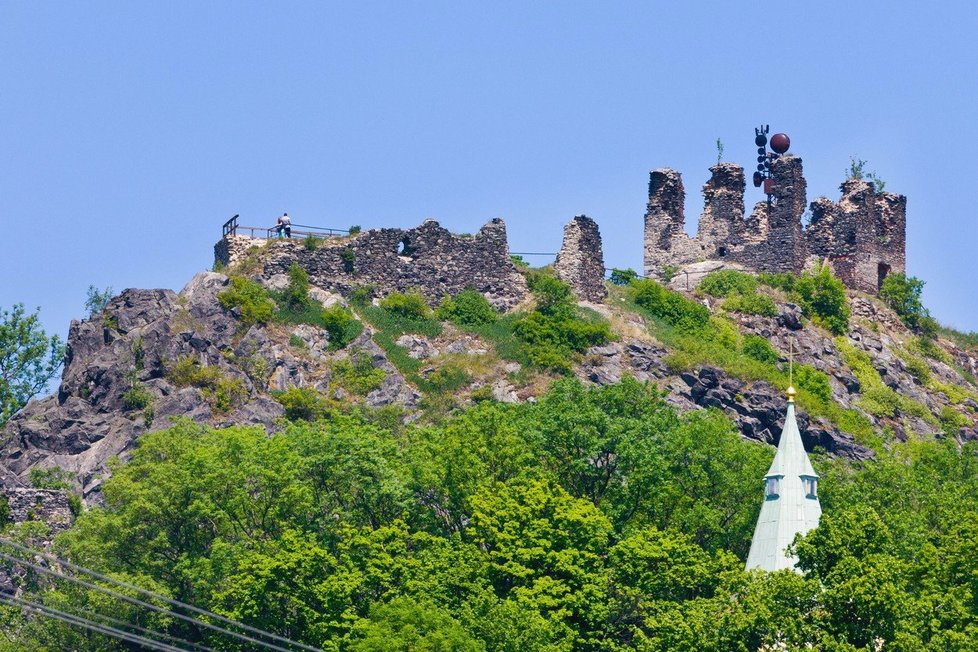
x: 580, y: 262
x: 428, y: 258
x: 863, y: 236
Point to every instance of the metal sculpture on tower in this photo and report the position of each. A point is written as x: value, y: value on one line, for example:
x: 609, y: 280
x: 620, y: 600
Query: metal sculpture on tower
x: 765, y: 159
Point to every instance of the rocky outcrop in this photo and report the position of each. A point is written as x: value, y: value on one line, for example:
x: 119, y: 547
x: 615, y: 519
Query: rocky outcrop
x: 580, y: 262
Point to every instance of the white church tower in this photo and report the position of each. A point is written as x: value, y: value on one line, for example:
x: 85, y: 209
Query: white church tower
x: 790, y: 500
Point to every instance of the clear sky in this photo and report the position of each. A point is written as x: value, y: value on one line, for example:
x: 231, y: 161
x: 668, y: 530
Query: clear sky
x: 129, y: 131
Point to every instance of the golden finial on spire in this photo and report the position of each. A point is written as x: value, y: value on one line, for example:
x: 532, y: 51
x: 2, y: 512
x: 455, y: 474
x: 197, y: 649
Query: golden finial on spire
x: 791, y: 370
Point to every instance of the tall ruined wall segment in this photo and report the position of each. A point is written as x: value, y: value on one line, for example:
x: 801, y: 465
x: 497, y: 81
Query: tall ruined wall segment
x: 428, y: 258
x: 580, y: 261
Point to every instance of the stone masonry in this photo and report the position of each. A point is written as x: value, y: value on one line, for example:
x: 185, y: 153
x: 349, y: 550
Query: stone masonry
x: 428, y: 258
x: 580, y: 262
x: 862, y: 237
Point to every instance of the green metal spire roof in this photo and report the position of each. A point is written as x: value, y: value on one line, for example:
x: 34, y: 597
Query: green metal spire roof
x: 790, y: 504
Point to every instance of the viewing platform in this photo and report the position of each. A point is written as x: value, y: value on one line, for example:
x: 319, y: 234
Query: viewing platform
x: 232, y: 228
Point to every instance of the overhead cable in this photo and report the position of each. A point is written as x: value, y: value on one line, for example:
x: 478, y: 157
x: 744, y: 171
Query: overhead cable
x: 162, y: 598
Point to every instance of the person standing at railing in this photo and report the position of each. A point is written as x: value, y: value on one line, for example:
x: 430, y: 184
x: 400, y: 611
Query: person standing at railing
x: 284, y: 224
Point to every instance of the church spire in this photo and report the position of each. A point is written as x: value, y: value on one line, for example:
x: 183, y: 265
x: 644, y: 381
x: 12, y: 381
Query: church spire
x: 790, y: 499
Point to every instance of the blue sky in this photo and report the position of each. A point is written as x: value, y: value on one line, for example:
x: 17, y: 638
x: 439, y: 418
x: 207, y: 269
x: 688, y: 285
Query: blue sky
x: 130, y: 131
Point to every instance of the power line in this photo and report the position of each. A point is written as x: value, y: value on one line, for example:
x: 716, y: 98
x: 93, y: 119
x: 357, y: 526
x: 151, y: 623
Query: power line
x: 147, y: 605
x: 87, y: 624
x: 163, y: 598
x: 122, y: 624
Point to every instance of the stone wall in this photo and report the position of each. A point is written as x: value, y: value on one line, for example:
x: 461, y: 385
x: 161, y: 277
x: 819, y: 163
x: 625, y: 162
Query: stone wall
x: 428, y: 258
x: 863, y: 236
x: 45, y: 505
x: 580, y: 262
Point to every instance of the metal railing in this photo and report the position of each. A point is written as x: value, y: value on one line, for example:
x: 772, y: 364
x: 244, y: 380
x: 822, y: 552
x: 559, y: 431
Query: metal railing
x: 231, y: 227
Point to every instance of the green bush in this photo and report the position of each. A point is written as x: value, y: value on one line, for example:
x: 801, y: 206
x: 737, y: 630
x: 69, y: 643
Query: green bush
x: 782, y: 280
x: 669, y: 272
x: 250, y: 298
x: 311, y: 242
x: 902, y: 294
x: 349, y: 258
x: 813, y: 381
x: 823, y: 299
x: 297, y: 292
x: 671, y: 307
x: 358, y: 375
x: 136, y: 397
x: 297, y: 342
x: 726, y: 281
x: 226, y: 393
x: 341, y: 326
x: 222, y: 392
x: 571, y: 334
x: 355, y: 229
x: 189, y: 372
x: 409, y: 304
x: 449, y: 378
x: 554, y: 297
x: 750, y: 304
x: 302, y: 403
x: 361, y: 295
x: 758, y: 348
x: 51, y: 478
x: 467, y: 308
x: 623, y: 276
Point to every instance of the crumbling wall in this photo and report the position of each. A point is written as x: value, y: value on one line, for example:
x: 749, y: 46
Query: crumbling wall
x: 428, y: 258
x: 774, y: 239
x: 863, y: 236
x: 666, y: 241
x: 580, y: 262
x: 46, y: 505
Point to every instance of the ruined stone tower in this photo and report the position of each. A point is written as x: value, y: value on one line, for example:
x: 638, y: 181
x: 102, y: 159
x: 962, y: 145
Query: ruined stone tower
x: 863, y: 236
x: 580, y: 262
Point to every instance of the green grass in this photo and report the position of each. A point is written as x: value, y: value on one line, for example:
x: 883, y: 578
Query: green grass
x: 878, y: 399
x: 719, y: 344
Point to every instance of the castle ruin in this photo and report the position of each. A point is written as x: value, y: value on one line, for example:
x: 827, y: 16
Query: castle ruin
x: 862, y: 236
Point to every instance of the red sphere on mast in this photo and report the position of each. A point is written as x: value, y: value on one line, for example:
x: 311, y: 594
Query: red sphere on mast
x: 780, y: 143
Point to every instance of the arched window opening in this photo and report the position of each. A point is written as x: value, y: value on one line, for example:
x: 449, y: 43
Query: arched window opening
x: 404, y: 248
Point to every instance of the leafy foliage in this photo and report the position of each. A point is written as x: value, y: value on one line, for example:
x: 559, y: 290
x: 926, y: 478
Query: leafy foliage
x: 297, y: 291
x: 595, y: 519
x: 136, y: 397
x: 623, y: 276
x: 671, y: 307
x: 250, y: 298
x: 29, y: 359
x: 406, y: 304
x: 554, y: 334
x: 96, y: 300
x: 760, y: 349
x: 750, y: 304
x: 467, y: 308
x: 823, y: 298
x: 724, y: 282
x: 902, y: 294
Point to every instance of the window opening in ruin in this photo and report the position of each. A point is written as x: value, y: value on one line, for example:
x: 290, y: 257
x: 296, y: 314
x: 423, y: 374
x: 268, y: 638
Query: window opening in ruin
x: 723, y: 252
x: 882, y: 270
x: 851, y: 237
x: 404, y: 248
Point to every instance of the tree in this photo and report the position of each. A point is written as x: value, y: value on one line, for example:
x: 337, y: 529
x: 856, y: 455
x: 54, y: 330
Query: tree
x: 29, y: 359
x: 96, y: 300
x: 902, y: 293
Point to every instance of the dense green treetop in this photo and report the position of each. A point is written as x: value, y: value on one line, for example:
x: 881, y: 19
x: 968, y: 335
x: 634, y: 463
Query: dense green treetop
x: 595, y: 519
